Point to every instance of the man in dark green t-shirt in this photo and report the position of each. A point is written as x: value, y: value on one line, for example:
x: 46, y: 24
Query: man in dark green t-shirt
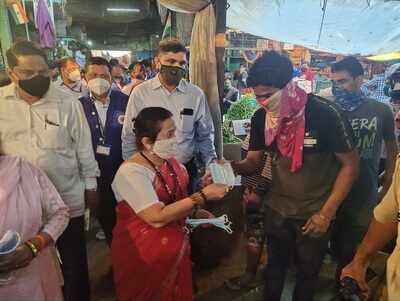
x: 313, y: 167
x: 373, y: 124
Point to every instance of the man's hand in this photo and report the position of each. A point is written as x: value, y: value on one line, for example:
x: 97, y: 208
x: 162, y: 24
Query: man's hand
x: 357, y: 271
x: 21, y: 258
x: 91, y: 199
x: 250, y: 197
x: 316, y: 226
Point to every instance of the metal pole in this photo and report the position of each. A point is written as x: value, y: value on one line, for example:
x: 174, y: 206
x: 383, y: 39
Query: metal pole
x: 322, y: 21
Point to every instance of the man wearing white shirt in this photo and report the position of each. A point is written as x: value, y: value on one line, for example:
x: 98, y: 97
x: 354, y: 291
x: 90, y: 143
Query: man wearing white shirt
x: 70, y: 77
x: 46, y: 126
x: 187, y: 102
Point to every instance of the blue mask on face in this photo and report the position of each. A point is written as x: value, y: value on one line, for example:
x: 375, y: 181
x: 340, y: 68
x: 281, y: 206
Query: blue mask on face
x: 348, y: 101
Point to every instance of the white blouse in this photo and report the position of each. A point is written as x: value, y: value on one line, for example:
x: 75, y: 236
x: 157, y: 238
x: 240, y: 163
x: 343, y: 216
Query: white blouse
x: 133, y: 183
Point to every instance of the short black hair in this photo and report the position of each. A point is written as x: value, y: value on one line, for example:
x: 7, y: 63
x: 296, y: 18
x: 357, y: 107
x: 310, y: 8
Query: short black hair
x: 132, y: 66
x: 97, y: 60
x: 148, y: 124
x: 171, y: 45
x: 23, y: 48
x: 61, y: 63
x: 271, y: 69
x: 349, y: 64
x: 114, y: 62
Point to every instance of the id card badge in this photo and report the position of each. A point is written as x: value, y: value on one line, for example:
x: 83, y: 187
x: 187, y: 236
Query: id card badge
x: 103, y: 149
x: 310, y: 141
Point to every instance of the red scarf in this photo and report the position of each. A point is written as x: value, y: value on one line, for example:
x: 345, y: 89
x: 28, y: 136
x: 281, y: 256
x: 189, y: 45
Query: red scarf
x: 285, y: 122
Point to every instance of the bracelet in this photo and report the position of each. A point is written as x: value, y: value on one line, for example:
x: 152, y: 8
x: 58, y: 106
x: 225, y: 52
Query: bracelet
x: 42, y: 241
x: 33, y: 248
x: 323, y: 217
x: 197, y: 199
x: 203, y: 195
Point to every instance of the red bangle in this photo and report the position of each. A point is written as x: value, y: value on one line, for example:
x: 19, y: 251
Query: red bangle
x: 42, y: 241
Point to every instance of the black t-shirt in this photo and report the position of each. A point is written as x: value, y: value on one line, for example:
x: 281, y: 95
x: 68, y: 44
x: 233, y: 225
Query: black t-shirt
x: 373, y: 123
x: 301, y: 194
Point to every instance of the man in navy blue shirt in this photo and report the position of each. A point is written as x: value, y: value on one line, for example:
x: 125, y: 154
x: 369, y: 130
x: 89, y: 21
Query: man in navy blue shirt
x: 105, y: 111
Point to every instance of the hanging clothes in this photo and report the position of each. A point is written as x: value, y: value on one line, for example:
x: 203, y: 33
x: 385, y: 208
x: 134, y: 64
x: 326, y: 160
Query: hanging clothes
x: 45, y: 26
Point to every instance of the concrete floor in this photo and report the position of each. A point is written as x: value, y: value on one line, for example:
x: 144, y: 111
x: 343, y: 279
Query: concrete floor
x: 211, y: 246
x: 210, y: 283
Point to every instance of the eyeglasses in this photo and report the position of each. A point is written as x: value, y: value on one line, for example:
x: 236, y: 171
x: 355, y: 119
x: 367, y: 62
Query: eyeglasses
x: 27, y: 73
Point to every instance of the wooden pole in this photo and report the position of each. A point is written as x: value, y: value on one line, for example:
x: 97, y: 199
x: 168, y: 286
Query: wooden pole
x: 220, y: 44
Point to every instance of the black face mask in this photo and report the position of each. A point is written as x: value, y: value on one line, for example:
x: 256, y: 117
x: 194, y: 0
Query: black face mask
x: 172, y: 75
x: 395, y: 94
x: 36, y: 86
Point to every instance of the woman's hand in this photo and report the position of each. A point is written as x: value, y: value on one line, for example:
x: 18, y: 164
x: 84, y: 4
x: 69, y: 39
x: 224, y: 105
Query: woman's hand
x: 21, y: 258
x: 215, y: 192
x: 206, y: 179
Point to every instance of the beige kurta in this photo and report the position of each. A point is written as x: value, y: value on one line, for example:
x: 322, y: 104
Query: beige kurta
x: 388, y: 211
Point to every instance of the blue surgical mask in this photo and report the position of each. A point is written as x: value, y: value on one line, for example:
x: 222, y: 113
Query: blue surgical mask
x: 348, y: 101
x: 220, y: 222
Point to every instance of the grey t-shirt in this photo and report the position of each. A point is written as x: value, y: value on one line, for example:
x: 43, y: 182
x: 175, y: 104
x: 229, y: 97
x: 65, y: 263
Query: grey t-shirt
x: 372, y: 123
x: 301, y: 194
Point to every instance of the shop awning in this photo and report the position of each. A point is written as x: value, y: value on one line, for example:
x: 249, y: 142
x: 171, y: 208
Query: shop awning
x: 350, y: 26
x: 385, y: 57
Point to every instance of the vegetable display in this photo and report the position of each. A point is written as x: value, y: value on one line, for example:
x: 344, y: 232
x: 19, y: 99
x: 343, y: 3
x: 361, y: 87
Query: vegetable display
x: 242, y: 109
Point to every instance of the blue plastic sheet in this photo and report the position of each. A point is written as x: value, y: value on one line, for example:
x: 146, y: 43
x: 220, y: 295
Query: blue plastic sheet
x: 350, y: 26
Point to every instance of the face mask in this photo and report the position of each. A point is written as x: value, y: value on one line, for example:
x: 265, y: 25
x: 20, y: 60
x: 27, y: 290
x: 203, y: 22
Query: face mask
x: 99, y: 86
x: 165, y: 149
x: 74, y: 76
x: 172, y: 75
x: 349, y: 101
x: 36, y: 86
x: 221, y: 222
x: 395, y: 94
x: 396, y: 107
x: 264, y: 100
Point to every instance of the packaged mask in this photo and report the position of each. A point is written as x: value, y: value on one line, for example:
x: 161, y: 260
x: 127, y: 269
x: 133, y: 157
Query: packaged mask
x: 222, y: 174
x: 8, y: 245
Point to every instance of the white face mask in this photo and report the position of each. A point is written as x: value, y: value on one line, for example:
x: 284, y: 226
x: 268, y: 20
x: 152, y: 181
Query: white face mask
x: 74, y: 76
x: 99, y: 86
x: 165, y: 149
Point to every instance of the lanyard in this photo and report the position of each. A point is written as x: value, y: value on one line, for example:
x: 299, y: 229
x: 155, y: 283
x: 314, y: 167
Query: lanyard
x: 99, y: 123
x: 80, y: 88
x: 172, y: 195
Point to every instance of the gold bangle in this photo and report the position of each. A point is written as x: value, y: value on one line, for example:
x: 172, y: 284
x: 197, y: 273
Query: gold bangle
x: 42, y: 241
x: 197, y: 199
x: 33, y: 248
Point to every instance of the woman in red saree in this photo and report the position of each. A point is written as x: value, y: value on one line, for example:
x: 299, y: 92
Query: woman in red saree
x: 150, y: 248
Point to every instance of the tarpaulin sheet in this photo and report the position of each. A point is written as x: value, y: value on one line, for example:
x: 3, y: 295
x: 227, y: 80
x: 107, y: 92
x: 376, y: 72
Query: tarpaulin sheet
x: 350, y: 27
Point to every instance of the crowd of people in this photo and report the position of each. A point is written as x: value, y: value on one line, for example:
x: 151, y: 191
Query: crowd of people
x: 130, y: 152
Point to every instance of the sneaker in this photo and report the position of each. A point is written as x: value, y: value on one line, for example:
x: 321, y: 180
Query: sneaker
x: 100, y: 235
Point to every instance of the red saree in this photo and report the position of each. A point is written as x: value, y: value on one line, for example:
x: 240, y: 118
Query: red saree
x: 153, y: 264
